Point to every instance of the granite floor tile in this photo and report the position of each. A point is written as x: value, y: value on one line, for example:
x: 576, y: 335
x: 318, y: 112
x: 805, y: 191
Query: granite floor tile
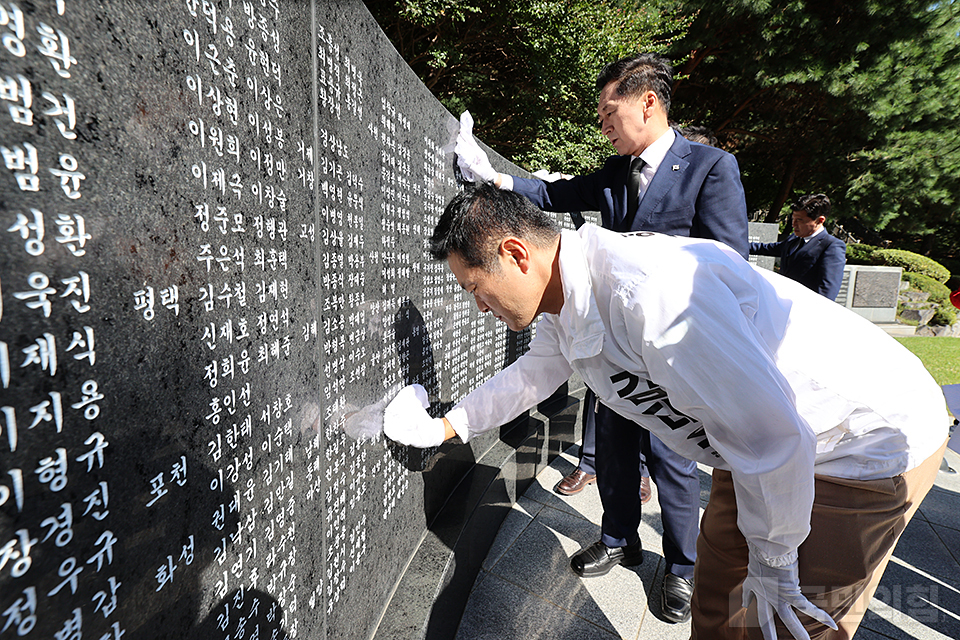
x: 877, y: 624
x: 941, y: 505
x: 585, y: 504
x: 481, y: 575
x: 911, y: 603
x: 521, y: 515
x: 867, y: 634
x: 951, y: 480
x: 922, y: 548
x: 501, y: 610
x: 887, y: 623
x: 539, y: 561
x: 950, y: 537
x: 544, y: 547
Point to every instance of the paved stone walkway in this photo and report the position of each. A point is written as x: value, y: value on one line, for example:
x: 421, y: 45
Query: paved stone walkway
x: 527, y: 591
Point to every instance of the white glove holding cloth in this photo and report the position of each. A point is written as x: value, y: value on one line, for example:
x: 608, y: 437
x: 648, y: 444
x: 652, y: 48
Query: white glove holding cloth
x: 406, y: 420
x: 472, y: 160
x: 778, y: 589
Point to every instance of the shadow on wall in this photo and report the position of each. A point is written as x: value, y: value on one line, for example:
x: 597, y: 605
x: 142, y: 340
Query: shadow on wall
x: 461, y: 518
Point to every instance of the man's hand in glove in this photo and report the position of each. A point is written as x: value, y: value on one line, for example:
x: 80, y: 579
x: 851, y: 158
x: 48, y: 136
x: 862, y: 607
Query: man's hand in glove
x: 778, y: 589
x: 471, y: 158
x: 406, y: 420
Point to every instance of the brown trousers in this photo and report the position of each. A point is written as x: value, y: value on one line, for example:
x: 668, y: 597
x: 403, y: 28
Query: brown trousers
x: 854, y: 527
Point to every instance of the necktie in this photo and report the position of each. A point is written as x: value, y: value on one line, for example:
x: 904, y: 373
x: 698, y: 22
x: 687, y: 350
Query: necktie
x: 633, y: 188
x: 797, y: 243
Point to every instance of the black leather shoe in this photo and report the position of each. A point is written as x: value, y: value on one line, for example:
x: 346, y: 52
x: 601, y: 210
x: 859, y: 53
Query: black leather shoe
x: 675, y: 601
x: 598, y: 559
x: 574, y: 482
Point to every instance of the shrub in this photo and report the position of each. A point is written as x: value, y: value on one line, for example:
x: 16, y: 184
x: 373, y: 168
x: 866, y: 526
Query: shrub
x: 946, y: 315
x: 912, y: 262
x: 939, y: 293
x: 860, y: 253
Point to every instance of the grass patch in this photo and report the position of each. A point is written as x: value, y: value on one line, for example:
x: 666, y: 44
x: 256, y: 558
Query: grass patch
x: 941, y: 356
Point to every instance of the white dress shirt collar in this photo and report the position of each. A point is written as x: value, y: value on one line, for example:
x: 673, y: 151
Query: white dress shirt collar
x: 653, y: 157
x: 654, y: 154
x: 813, y: 235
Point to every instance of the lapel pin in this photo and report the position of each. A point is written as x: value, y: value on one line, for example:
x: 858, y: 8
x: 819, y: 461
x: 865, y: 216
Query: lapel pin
x: 675, y: 167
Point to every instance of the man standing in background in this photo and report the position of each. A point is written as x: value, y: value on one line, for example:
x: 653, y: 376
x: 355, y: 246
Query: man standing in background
x: 811, y: 256
x: 658, y: 182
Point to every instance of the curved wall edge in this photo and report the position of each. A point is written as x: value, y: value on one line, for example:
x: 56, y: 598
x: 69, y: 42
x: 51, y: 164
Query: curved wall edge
x: 430, y: 596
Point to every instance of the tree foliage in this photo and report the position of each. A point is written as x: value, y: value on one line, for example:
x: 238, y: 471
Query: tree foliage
x: 525, y: 68
x: 854, y: 99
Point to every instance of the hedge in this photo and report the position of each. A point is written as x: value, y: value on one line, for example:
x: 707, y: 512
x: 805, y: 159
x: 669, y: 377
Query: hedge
x: 946, y: 315
x: 911, y: 262
x: 861, y: 253
x: 939, y: 293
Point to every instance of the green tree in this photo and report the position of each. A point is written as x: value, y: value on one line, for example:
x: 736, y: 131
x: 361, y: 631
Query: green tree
x: 855, y: 99
x: 908, y: 175
x: 525, y: 68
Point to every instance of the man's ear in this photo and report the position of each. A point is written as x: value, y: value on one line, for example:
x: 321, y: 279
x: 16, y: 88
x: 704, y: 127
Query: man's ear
x: 649, y: 100
x: 821, y: 221
x: 516, y: 250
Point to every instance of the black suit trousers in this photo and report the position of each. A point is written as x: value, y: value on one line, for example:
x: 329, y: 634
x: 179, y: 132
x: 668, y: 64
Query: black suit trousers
x: 621, y: 448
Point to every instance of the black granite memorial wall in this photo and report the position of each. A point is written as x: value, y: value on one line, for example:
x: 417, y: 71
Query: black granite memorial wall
x: 763, y: 232
x: 212, y: 277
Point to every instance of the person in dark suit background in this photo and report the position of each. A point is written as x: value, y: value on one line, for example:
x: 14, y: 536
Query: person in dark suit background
x: 659, y: 182
x: 703, y: 135
x: 810, y: 255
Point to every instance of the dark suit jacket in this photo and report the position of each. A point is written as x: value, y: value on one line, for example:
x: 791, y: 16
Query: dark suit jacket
x: 696, y: 192
x: 817, y: 265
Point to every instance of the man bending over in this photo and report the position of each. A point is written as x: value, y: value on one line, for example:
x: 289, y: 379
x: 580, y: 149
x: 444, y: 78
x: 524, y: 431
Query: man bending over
x: 687, y: 339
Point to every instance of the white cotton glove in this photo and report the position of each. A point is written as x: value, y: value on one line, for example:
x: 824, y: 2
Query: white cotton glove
x: 472, y: 160
x: 778, y: 589
x: 406, y: 420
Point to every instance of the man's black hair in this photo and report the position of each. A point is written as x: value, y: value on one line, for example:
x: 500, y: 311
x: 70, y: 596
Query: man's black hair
x: 703, y: 135
x: 814, y: 205
x: 640, y: 73
x: 477, y: 218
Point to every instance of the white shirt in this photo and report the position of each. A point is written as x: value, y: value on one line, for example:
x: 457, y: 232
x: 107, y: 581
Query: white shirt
x: 653, y: 157
x: 813, y: 235
x: 727, y: 365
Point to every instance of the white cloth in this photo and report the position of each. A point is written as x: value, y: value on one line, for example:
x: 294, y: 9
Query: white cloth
x: 405, y: 420
x: 732, y: 366
x: 471, y: 159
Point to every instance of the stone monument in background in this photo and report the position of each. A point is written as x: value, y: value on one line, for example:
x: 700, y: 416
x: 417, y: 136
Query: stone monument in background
x: 212, y: 277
